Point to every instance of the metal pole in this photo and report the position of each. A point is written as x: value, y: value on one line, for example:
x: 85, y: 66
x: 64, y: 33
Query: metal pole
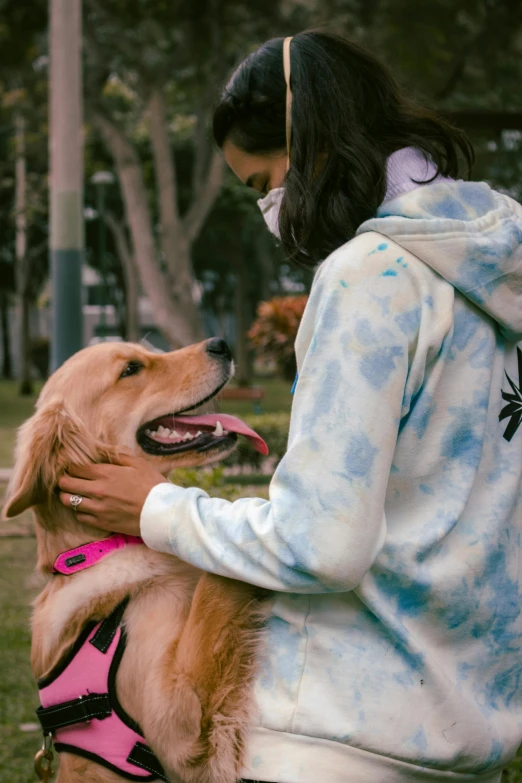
x: 66, y: 181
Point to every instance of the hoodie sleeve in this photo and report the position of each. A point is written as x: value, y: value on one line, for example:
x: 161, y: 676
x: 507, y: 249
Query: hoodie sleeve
x: 324, y: 523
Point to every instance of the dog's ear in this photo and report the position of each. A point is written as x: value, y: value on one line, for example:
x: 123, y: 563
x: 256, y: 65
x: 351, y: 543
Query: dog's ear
x: 47, y: 444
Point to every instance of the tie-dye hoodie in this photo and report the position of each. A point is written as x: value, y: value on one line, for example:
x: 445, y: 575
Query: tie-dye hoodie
x: 392, y: 532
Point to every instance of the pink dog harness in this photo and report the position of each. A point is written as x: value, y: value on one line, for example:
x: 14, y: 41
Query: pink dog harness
x: 79, y: 703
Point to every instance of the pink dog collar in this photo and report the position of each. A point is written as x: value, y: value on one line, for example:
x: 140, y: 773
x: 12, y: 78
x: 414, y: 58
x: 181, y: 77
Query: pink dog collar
x: 89, y: 554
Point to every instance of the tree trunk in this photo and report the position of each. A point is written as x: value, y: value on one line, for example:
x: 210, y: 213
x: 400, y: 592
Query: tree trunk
x: 168, y: 317
x: 24, y: 302
x: 26, y: 383
x: 243, y: 363
x: 171, y: 292
x: 7, y: 364
x: 130, y: 276
x: 174, y: 241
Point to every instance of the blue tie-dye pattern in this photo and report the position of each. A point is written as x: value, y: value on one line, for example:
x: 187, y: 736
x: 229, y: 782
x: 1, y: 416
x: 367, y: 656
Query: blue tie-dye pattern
x: 377, y: 365
x: 359, y: 456
x: 465, y: 324
x: 422, y: 409
x: 392, y: 534
x: 449, y: 208
x: 364, y: 332
x: 463, y: 438
x: 409, y: 322
x: 419, y: 739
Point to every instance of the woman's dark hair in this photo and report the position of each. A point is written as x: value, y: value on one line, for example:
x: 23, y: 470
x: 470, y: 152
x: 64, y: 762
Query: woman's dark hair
x: 348, y: 116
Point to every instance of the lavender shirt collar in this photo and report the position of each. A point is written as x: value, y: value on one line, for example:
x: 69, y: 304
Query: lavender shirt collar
x: 404, y: 166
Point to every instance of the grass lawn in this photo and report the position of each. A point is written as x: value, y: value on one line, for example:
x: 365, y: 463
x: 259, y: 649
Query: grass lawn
x: 277, y: 399
x: 17, y: 691
x: 13, y: 411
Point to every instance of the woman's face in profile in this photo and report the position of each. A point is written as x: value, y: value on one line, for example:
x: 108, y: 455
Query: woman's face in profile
x: 259, y: 172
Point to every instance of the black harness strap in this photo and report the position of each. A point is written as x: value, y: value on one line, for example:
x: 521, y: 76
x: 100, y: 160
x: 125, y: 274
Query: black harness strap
x: 142, y: 756
x: 94, y: 705
x: 107, y: 631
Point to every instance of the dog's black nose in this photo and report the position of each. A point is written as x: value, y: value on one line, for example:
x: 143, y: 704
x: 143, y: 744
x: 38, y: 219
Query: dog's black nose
x: 218, y: 347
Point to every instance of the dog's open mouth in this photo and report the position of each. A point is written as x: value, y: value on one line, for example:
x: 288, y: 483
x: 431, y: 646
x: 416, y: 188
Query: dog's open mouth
x: 171, y: 434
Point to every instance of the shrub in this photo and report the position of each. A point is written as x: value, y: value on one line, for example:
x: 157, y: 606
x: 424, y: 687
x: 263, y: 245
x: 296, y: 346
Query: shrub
x: 274, y: 331
x: 273, y: 428
x: 212, y: 480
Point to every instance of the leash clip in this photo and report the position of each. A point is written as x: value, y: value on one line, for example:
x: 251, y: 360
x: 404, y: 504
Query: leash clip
x: 44, y: 759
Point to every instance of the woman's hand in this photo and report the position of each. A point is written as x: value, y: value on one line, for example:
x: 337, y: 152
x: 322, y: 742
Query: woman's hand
x: 112, y: 495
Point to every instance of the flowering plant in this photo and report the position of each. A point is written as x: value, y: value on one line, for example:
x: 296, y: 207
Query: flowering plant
x: 274, y: 331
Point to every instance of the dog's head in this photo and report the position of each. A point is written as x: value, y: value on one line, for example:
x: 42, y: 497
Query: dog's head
x: 119, y: 396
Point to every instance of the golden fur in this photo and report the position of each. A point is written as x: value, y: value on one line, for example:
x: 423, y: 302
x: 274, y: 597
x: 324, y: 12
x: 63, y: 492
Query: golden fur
x: 192, y: 638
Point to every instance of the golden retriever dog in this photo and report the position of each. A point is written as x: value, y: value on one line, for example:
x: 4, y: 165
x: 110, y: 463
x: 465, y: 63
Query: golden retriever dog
x: 192, y: 637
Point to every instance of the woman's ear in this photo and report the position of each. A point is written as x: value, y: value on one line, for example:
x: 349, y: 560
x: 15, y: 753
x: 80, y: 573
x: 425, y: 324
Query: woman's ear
x: 47, y: 444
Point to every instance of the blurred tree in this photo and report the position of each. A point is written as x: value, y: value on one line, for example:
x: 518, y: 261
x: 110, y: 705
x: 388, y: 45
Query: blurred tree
x: 156, y: 64
x: 22, y: 100
x: 152, y: 70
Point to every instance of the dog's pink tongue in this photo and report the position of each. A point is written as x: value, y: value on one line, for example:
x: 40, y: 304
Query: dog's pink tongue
x: 230, y: 423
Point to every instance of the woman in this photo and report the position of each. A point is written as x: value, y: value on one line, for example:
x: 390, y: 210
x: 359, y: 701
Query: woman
x: 392, y: 533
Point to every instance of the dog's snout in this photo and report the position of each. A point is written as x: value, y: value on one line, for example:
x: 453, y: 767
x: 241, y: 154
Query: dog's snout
x: 218, y: 347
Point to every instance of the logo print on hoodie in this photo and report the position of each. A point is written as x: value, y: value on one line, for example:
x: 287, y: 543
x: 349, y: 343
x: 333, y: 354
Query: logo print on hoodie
x: 513, y: 409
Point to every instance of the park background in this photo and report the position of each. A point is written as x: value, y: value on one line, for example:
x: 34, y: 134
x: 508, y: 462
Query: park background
x: 174, y: 249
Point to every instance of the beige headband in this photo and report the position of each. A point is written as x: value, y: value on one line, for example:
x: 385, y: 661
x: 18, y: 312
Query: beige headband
x: 286, y: 66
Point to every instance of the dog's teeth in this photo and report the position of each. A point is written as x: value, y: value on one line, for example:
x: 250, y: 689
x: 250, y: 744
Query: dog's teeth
x: 161, y: 431
x: 174, y: 434
x: 219, y: 429
x: 148, y: 432
x: 152, y: 433
x: 198, y: 433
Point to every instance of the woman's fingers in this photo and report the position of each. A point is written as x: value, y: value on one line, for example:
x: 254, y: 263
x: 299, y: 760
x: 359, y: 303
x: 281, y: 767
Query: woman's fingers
x: 77, y: 486
x: 88, y: 472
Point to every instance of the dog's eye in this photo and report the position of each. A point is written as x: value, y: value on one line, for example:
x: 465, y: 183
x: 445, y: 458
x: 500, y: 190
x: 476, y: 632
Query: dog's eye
x: 132, y: 368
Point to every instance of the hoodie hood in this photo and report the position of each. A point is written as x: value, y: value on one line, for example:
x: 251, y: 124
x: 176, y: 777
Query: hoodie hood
x: 469, y: 234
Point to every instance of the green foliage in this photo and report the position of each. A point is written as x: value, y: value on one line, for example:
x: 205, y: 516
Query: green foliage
x: 210, y: 480
x: 273, y: 428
